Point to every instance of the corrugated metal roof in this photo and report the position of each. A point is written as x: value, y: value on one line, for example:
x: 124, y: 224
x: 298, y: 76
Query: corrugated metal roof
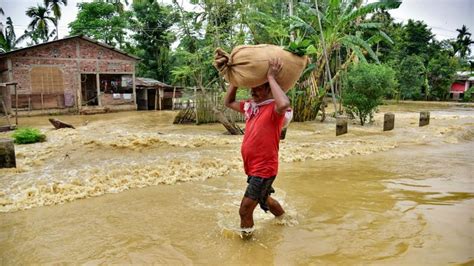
x: 151, y: 83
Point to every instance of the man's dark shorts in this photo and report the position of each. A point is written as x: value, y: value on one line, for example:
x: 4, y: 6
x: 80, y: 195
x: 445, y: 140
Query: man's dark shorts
x: 259, y: 189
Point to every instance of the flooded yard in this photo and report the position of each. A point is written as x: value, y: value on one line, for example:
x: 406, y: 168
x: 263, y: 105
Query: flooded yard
x: 132, y: 187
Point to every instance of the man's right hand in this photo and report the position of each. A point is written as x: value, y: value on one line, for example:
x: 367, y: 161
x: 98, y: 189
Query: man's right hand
x: 275, y: 65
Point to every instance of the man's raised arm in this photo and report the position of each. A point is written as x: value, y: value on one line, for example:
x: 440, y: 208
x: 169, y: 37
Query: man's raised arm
x: 281, y: 100
x: 229, y: 100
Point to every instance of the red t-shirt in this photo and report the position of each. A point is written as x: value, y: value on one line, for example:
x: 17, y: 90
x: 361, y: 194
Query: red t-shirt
x: 261, y: 141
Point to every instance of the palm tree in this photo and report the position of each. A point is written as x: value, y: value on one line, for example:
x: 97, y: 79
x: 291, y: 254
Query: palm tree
x: 8, y: 39
x: 38, y: 29
x: 55, y: 6
x: 463, y: 42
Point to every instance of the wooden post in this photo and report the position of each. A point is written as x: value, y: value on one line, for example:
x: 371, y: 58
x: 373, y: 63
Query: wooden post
x: 388, y: 121
x: 424, y: 118
x: 2, y: 102
x: 42, y: 90
x: 172, y: 100
x: 134, y: 91
x: 156, y: 99
x: 341, y: 126
x: 79, y: 79
x: 161, y: 98
x: 16, y: 107
x: 97, y: 82
x: 7, y: 154
x: 10, y: 76
x: 195, y: 106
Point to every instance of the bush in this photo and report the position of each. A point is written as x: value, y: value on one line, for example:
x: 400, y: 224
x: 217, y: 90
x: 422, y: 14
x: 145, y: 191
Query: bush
x: 366, y: 84
x: 28, y: 135
x: 468, y: 95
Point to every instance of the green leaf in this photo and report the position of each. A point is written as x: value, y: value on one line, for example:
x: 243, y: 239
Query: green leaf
x: 311, y: 50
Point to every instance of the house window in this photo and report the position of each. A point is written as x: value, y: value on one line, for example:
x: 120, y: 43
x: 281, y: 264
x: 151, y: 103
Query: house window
x: 46, y: 80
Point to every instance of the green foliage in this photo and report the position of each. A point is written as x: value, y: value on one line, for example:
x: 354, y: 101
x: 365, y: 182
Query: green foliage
x: 55, y: 7
x: 347, y: 37
x: 28, y: 135
x: 305, y: 105
x: 153, y: 36
x: 463, y: 42
x: 39, y: 27
x: 416, y: 39
x: 266, y: 21
x: 411, y: 76
x: 101, y: 21
x: 366, y: 86
x: 194, y: 69
x: 8, y: 39
x: 441, y: 74
x: 468, y: 95
x: 301, y: 47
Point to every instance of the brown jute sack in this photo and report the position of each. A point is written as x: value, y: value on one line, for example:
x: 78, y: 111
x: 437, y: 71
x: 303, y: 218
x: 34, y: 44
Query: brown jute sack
x: 247, y: 65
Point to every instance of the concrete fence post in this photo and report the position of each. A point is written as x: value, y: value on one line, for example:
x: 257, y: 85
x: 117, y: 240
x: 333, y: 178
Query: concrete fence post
x: 341, y: 125
x: 388, y: 121
x: 424, y: 118
x: 7, y: 154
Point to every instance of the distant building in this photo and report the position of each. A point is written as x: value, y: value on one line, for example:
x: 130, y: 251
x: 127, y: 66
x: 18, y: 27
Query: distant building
x: 464, y: 80
x: 75, y: 73
x: 156, y: 95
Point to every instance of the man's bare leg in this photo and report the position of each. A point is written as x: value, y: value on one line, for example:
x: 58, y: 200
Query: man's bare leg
x: 275, y: 207
x: 247, y: 206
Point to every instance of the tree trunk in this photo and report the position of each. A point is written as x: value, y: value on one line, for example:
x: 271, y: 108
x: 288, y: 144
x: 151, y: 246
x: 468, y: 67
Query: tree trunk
x: 232, y: 128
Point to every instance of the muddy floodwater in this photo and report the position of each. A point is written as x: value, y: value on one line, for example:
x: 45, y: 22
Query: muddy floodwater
x: 132, y: 188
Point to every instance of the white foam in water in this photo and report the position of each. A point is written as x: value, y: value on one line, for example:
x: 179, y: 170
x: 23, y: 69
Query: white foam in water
x: 287, y: 219
x: 96, y: 159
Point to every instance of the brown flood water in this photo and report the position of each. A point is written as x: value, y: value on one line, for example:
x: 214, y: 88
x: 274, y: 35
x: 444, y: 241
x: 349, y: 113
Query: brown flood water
x: 133, y: 188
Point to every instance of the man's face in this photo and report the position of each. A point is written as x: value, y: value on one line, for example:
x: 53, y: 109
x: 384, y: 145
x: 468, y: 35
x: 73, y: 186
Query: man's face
x: 260, y: 93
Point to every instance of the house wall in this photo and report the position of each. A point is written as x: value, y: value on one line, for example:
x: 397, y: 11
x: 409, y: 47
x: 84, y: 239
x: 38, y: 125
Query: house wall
x: 72, y: 57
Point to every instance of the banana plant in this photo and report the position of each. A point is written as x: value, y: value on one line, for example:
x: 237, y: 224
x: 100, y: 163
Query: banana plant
x: 343, y: 26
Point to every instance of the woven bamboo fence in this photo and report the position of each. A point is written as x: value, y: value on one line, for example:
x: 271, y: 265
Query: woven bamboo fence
x: 207, y: 103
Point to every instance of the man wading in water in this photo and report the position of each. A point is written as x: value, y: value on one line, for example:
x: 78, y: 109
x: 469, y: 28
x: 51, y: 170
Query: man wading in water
x: 264, y: 116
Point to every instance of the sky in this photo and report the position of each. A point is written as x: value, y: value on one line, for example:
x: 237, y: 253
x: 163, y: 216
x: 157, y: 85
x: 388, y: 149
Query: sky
x: 442, y: 16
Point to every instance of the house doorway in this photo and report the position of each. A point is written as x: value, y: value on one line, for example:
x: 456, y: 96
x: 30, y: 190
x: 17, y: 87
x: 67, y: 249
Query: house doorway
x: 89, y: 90
x: 151, y: 99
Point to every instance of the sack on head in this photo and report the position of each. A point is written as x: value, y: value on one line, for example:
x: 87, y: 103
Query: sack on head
x: 247, y: 65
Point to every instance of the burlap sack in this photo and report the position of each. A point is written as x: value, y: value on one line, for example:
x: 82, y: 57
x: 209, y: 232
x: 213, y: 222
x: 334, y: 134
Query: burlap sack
x: 247, y: 65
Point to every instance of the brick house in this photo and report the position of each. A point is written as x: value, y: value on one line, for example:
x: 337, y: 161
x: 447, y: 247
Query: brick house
x: 71, y: 74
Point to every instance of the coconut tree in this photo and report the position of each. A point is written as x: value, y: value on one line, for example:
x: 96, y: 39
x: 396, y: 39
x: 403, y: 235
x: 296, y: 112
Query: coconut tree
x: 39, y: 27
x: 55, y: 6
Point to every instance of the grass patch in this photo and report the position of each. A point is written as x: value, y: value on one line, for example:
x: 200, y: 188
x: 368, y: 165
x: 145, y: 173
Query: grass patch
x: 28, y: 135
